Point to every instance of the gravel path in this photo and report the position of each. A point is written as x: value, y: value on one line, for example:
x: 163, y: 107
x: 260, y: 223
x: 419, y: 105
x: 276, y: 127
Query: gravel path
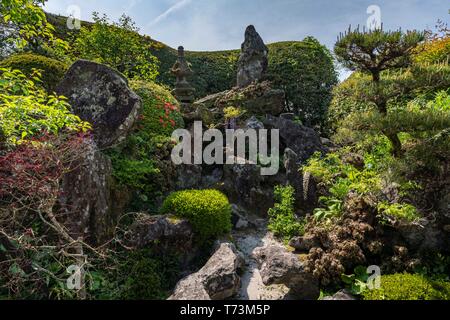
x: 252, y: 287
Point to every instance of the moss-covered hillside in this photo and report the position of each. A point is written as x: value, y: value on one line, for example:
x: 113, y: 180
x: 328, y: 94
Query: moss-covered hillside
x: 306, y: 67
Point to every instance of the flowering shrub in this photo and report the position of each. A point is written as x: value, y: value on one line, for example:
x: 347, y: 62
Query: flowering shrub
x: 137, y: 161
x: 29, y: 187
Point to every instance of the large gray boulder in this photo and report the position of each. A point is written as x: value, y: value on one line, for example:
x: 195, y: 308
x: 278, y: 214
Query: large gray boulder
x: 278, y: 266
x: 163, y: 232
x: 253, y: 60
x: 217, y: 280
x: 101, y: 96
x: 303, y: 141
x: 86, y: 196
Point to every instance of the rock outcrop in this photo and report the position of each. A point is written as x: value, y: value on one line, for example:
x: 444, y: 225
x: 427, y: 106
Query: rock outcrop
x: 341, y: 295
x: 278, y: 266
x: 86, y: 196
x: 163, y: 232
x: 253, y: 60
x: 217, y: 280
x: 257, y: 99
x: 100, y: 95
x: 302, y: 140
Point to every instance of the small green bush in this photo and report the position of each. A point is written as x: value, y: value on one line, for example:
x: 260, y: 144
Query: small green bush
x: 408, y: 287
x: 282, y: 220
x: 208, y: 211
x: 52, y: 70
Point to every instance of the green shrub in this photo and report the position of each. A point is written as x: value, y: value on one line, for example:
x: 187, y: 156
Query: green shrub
x: 52, y: 71
x: 134, y: 275
x: 282, y: 220
x: 400, y: 211
x: 408, y: 287
x: 305, y: 70
x: 118, y: 45
x: 137, y: 161
x: 208, y: 211
x: 161, y: 114
x: 28, y: 111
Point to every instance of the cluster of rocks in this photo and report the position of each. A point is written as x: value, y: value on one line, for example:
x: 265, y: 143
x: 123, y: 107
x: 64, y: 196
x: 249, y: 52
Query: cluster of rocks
x: 245, y: 186
x: 101, y: 96
x: 262, y: 109
x: 218, y: 279
x: 278, y: 266
x: 358, y: 238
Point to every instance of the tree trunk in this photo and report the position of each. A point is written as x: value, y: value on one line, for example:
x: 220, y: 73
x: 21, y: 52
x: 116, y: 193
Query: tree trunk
x: 396, y: 144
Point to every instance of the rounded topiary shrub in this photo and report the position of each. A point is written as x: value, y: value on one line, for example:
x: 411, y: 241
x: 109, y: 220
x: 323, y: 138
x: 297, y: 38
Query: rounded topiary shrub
x: 404, y: 286
x: 209, y: 211
x: 52, y: 70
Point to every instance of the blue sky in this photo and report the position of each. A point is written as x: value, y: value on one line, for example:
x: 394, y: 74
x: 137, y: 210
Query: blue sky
x: 220, y: 24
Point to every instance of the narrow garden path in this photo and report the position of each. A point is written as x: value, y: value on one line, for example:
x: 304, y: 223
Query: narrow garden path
x: 252, y: 287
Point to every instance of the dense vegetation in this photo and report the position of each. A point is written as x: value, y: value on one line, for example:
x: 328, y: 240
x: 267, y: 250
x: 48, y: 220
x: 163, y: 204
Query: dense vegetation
x: 304, y: 69
x: 387, y: 167
x: 141, y: 163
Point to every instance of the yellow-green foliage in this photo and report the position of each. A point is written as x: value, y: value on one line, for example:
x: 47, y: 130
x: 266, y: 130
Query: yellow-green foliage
x: 345, y: 101
x: 232, y: 112
x: 27, y: 110
x: 52, y: 71
x: 398, y: 211
x: 436, y: 50
x: 209, y: 211
x: 408, y: 287
x: 342, y: 177
x: 282, y: 220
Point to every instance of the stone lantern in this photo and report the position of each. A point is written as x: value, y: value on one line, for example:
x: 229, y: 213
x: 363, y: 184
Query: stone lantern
x: 183, y: 91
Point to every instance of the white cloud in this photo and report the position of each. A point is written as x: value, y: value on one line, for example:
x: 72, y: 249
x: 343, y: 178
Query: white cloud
x: 172, y: 9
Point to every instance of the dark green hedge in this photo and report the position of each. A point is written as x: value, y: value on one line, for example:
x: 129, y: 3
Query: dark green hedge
x: 52, y: 70
x: 304, y: 69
